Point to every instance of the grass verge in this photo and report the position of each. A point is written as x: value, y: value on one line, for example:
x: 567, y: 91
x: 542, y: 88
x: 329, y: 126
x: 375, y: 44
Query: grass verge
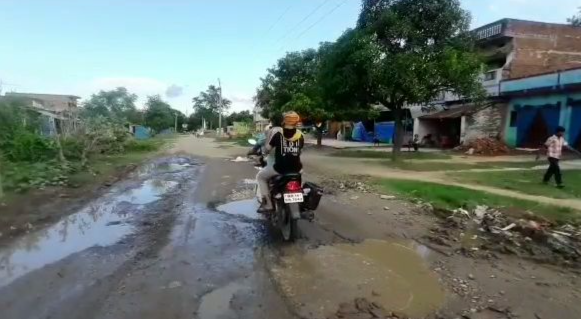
x: 387, y: 155
x: 528, y: 182
x: 452, y: 197
x: 448, y: 166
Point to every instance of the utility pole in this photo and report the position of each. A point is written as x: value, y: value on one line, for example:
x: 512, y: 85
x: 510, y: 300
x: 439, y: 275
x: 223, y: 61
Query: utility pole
x: 220, y: 108
x: 176, y: 123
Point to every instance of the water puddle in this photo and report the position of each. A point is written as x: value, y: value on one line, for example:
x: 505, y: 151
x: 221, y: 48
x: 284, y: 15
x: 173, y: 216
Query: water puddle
x: 149, y: 192
x: 216, y: 304
x: 93, y: 226
x: 246, y: 208
x: 393, y: 274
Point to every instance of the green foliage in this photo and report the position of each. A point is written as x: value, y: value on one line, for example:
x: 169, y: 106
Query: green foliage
x: 576, y: 19
x: 158, y: 114
x: 452, y: 197
x: 243, y: 116
x: 149, y: 145
x: 117, y: 105
x: 29, y: 147
x: 208, y: 106
x: 22, y: 176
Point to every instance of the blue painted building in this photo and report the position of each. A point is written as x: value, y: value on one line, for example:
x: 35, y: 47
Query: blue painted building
x: 538, y: 104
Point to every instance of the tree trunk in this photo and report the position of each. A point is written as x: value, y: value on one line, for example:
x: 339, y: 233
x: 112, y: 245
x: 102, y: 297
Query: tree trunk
x: 319, y: 138
x: 59, y: 146
x: 399, y: 131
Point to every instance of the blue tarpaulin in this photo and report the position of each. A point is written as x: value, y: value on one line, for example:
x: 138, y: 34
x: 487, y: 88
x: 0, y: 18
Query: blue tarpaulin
x: 141, y: 132
x: 384, y: 131
x: 360, y: 133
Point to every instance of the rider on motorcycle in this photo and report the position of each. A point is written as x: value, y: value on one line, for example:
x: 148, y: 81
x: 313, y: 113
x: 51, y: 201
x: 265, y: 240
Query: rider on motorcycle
x: 285, y: 147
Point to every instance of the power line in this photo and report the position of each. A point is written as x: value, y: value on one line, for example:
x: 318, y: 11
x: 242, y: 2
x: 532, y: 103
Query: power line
x: 279, y: 18
x: 321, y: 19
x: 303, y: 20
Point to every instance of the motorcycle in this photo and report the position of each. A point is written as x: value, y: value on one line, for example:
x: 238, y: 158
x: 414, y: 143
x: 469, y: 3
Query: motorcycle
x: 292, y: 199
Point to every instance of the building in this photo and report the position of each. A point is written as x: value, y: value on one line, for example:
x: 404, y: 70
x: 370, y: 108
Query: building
x: 59, y: 111
x: 260, y: 123
x: 538, y: 104
x: 512, y: 49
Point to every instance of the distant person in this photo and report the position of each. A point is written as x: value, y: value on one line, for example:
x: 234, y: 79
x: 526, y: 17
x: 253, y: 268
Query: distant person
x: 376, y: 140
x: 416, y: 143
x: 554, y: 147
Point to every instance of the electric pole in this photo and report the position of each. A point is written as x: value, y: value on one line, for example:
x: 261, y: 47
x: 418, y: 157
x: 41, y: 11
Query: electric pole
x: 220, y: 108
x: 176, y: 123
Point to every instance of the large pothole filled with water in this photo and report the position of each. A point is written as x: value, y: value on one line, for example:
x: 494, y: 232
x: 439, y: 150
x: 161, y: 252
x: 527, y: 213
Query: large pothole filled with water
x: 392, y: 274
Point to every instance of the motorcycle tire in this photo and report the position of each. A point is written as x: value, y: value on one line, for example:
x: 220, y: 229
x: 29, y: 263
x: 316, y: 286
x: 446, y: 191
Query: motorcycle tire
x: 290, y: 228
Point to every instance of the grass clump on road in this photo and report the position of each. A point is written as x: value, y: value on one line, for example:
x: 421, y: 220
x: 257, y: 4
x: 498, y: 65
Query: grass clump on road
x: 526, y: 181
x: 452, y: 197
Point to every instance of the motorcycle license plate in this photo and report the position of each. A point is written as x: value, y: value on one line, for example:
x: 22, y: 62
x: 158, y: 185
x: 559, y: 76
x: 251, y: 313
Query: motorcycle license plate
x: 293, y: 198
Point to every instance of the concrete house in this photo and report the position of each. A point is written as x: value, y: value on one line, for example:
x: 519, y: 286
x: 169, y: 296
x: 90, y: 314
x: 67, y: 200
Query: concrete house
x: 512, y: 49
x: 59, y: 111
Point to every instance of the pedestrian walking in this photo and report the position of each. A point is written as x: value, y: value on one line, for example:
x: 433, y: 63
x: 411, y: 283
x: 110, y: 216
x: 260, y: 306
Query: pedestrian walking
x: 554, y: 147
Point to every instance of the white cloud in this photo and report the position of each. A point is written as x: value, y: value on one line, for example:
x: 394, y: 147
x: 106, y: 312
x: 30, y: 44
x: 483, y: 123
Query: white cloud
x: 174, y: 91
x: 240, y: 102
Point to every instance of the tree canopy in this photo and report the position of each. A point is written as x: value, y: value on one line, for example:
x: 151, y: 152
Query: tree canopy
x: 576, y: 19
x: 208, y: 105
x: 118, y: 104
x: 401, y: 52
x: 159, y: 115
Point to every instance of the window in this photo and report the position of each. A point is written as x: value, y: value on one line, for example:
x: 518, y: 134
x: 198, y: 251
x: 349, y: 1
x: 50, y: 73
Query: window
x: 513, y: 118
x: 490, y: 75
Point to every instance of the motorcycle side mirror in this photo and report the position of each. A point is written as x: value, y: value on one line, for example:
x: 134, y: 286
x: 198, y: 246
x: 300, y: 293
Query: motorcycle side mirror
x: 252, y: 141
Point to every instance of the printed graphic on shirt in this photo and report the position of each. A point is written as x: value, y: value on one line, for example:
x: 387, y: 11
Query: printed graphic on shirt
x: 290, y: 147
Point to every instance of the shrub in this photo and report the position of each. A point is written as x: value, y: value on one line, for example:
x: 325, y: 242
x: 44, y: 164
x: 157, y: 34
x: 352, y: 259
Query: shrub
x: 29, y: 147
x: 134, y: 145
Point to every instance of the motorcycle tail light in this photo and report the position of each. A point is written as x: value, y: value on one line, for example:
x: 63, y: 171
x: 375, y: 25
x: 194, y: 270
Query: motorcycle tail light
x: 293, y: 186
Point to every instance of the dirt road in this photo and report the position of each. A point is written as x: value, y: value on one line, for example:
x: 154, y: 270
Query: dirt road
x: 180, y: 238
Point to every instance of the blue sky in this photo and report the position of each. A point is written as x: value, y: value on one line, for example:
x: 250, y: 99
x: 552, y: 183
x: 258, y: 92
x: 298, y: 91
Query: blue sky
x: 80, y: 47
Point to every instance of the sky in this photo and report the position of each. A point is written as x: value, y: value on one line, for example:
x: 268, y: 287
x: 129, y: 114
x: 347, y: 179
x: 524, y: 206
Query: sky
x: 176, y: 48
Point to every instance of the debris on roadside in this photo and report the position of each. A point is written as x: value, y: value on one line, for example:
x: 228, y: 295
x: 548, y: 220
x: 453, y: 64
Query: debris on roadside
x: 362, y: 308
x: 484, y: 229
x: 345, y: 184
x: 387, y: 197
x: 484, y: 146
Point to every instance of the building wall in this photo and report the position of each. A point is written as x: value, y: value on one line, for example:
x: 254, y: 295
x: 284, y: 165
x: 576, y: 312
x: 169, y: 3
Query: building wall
x: 543, y: 47
x: 567, y: 114
x: 425, y: 127
x: 487, y: 122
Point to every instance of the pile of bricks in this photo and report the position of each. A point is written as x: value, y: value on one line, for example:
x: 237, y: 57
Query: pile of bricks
x: 486, y: 146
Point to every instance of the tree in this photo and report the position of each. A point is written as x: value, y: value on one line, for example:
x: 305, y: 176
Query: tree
x: 243, y: 116
x: 209, y: 104
x: 576, y: 19
x: 416, y: 49
x: 291, y: 85
x: 117, y: 105
x: 158, y: 114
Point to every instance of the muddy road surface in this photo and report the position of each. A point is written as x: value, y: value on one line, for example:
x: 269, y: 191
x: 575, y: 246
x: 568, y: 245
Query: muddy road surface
x: 180, y: 238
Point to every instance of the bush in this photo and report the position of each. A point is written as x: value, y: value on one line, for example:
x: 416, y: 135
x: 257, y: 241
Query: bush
x: 22, y: 176
x: 29, y: 147
x: 72, y: 148
x: 134, y: 145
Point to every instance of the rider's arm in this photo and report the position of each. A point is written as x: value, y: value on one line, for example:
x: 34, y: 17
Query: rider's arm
x: 274, y: 141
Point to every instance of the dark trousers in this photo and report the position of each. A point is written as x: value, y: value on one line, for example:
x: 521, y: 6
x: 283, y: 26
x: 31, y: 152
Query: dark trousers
x: 554, y: 169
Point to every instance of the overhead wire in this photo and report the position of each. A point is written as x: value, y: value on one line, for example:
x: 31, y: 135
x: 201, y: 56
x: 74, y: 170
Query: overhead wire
x: 279, y: 18
x: 303, y: 20
x: 321, y: 19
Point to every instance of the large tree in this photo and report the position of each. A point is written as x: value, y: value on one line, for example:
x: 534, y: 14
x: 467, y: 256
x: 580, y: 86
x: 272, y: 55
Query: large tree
x: 576, y: 19
x: 242, y: 116
x: 209, y: 104
x: 158, y: 114
x: 291, y: 85
x: 118, y: 105
x: 417, y: 49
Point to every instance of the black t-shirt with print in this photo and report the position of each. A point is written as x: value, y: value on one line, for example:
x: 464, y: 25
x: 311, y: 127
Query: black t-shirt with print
x: 287, y: 153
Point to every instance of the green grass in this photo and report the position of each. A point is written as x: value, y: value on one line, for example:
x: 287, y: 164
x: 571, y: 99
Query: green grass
x: 453, y: 166
x: 387, y: 155
x: 528, y: 182
x: 452, y: 197
x: 19, y: 177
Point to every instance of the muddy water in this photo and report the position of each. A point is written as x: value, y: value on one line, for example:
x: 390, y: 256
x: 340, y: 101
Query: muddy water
x: 394, y: 274
x: 103, y: 222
